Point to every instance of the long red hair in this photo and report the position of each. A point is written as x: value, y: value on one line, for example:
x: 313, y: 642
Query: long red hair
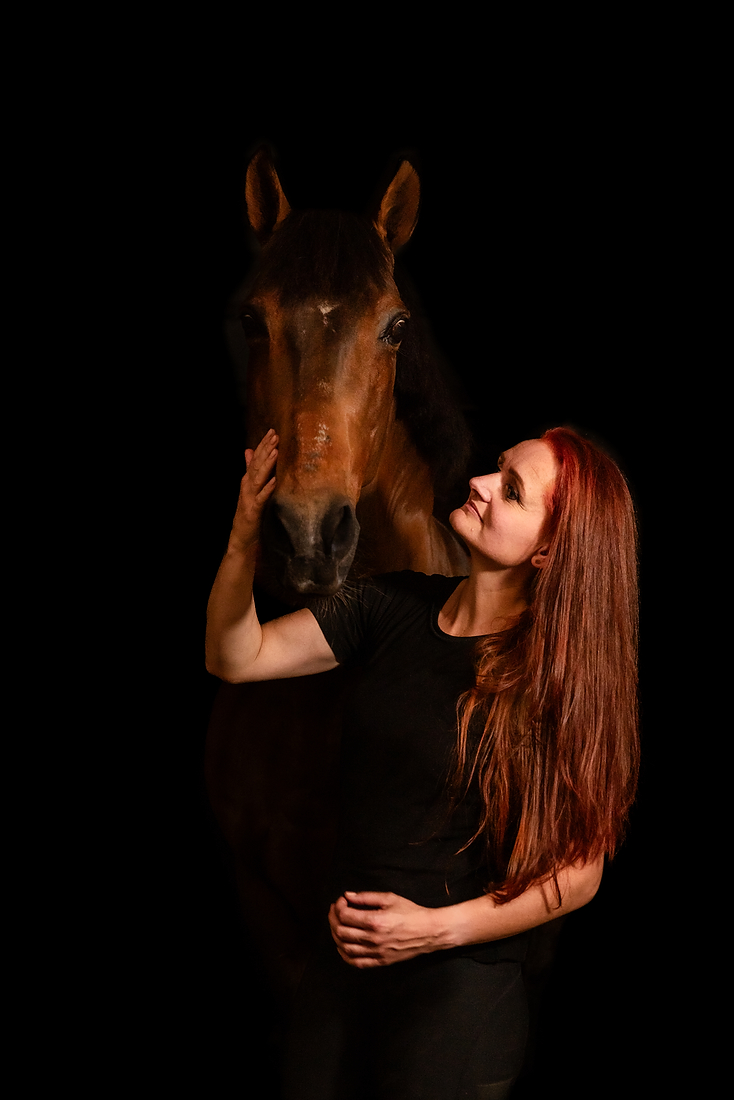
x: 549, y: 731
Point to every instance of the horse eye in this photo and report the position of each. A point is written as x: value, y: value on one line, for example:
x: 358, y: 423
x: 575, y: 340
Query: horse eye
x: 396, y: 332
x: 252, y: 326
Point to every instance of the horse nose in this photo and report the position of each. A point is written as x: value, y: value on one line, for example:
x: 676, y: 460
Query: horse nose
x: 314, y: 546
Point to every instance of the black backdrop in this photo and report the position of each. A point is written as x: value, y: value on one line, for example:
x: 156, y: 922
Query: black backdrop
x: 540, y: 264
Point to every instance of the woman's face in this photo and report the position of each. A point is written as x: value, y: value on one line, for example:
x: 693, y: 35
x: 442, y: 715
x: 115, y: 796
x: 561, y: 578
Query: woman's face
x: 505, y: 517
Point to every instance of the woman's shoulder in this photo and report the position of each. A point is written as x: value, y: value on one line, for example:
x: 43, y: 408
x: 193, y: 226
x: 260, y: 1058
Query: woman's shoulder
x: 422, y: 586
x: 377, y: 606
x: 405, y: 593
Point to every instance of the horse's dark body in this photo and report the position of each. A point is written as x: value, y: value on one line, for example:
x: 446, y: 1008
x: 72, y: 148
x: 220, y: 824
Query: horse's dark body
x: 365, y: 423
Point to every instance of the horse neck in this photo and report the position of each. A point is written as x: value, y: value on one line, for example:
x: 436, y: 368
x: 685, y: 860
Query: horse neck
x: 397, y: 527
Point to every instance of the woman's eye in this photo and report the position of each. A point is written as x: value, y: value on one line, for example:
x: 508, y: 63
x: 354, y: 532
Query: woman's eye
x: 396, y: 332
x: 512, y: 493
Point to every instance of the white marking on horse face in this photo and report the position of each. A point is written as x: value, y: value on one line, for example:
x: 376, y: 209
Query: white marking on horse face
x: 313, y: 458
x: 325, y: 308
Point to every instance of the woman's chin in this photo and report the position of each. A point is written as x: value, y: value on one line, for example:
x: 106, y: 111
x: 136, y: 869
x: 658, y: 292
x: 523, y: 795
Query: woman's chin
x: 456, y: 520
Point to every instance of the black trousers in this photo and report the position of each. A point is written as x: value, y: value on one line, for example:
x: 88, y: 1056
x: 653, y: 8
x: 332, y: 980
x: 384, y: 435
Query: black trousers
x: 438, y: 1027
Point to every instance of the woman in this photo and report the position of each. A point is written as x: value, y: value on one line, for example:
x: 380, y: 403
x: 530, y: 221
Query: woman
x: 458, y: 834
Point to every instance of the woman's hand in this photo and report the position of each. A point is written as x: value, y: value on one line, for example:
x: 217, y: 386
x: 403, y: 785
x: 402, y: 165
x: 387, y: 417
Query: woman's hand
x: 391, y: 929
x: 238, y: 648
x: 255, y: 488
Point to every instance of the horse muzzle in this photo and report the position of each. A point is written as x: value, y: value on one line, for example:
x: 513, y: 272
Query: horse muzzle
x: 310, y: 546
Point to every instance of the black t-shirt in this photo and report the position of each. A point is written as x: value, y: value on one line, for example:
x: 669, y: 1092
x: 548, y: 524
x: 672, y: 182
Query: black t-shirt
x: 396, y: 830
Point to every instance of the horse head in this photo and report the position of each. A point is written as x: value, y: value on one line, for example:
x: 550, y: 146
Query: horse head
x: 323, y: 319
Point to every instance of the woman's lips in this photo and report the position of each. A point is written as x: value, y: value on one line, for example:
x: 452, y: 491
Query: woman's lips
x: 472, y: 506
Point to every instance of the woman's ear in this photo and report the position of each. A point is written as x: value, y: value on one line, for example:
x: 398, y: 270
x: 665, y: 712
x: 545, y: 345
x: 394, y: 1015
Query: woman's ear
x: 540, y: 557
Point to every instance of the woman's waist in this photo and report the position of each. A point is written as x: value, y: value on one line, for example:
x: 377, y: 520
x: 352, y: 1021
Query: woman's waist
x: 433, y: 883
x: 424, y: 886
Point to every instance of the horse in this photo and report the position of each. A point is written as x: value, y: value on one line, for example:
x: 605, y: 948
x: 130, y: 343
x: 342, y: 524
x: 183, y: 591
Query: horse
x: 369, y: 431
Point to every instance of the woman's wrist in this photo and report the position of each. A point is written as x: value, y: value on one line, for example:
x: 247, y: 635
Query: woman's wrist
x: 448, y: 927
x: 242, y: 546
x: 463, y: 924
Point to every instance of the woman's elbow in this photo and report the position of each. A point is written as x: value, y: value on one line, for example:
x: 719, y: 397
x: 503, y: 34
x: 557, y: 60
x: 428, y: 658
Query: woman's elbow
x: 588, y: 882
x: 213, y: 669
x: 224, y: 671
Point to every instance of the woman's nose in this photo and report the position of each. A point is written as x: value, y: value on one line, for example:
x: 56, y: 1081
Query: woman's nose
x: 482, y: 486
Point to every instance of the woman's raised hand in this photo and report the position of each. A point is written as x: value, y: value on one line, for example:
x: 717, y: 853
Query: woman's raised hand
x: 238, y: 649
x: 255, y: 488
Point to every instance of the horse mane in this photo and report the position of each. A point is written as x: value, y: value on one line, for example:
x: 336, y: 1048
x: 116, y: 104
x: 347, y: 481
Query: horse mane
x: 339, y: 254
x: 429, y: 404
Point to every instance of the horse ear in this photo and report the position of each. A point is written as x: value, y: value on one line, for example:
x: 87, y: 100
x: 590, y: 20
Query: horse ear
x: 267, y: 205
x: 398, y: 213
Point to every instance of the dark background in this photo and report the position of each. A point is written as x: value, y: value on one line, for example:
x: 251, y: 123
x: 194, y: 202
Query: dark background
x: 544, y: 265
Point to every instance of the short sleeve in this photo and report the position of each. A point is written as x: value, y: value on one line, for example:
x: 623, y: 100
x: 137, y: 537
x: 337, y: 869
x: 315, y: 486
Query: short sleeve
x: 347, y: 619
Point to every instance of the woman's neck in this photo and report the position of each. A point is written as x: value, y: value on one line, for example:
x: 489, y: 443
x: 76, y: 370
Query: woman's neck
x: 484, y: 603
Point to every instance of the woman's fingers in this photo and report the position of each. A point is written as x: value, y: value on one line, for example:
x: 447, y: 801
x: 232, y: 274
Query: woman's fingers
x: 345, y: 921
x: 352, y: 950
x: 375, y: 899
x: 260, y: 462
x: 357, y: 910
x: 258, y: 480
x: 379, y: 928
x: 360, y: 962
x: 351, y: 917
x: 364, y: 936
x: 268, y: 441
x: 255, y: 488
x: 357, y: 940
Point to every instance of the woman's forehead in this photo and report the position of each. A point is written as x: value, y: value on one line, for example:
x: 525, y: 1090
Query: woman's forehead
x: 532, y: 458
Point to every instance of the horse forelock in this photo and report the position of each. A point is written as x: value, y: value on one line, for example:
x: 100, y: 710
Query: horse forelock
x: 330, y: 254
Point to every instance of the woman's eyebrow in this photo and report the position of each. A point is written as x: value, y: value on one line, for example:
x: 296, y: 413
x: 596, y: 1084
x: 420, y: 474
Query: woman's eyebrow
x: 511, y: 471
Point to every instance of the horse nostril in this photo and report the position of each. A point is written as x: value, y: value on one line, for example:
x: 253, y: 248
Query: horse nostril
x: 338, y: 530
x: 276, y: 530
x: 316, y: 549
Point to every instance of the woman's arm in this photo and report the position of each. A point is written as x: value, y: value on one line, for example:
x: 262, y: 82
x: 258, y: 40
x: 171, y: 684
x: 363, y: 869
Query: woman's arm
x: 394, y: 929
x: 237, y: 647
